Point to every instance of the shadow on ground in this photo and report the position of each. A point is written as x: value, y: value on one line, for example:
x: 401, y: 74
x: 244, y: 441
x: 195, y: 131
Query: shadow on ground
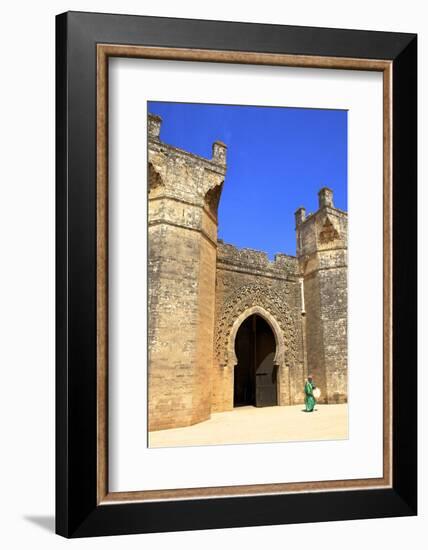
x: 45, y: 522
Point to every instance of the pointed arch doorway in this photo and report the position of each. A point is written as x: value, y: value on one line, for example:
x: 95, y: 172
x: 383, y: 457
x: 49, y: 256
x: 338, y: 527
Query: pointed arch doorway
x: 255, y: 376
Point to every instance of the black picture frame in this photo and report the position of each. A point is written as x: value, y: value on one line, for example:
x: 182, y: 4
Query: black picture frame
x: 77, y: 511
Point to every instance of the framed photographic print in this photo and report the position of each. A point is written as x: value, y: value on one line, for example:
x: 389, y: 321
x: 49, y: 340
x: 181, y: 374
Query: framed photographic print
x: 236, y: 274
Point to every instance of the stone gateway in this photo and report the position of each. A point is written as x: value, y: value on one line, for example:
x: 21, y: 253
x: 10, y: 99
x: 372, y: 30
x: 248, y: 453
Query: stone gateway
x: 227, y: 326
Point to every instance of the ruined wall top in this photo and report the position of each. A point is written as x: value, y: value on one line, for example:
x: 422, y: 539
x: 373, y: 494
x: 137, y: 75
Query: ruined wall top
x: 256, y: 262
x: 154, y: 123
x: 178, y: 175
x: 219, y: 149
x: 325, y: 197
x: 325, y: 203
x: 325, y: 229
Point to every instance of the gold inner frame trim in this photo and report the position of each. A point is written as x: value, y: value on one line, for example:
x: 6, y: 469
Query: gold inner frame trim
x: 104, y: 51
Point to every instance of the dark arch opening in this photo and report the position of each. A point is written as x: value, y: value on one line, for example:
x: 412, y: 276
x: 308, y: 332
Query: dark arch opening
x: 255, y: 380
x: 212, y: 199
x: 155, y: 181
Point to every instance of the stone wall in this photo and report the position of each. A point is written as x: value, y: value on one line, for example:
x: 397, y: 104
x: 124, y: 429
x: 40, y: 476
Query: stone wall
x: 248, y: 282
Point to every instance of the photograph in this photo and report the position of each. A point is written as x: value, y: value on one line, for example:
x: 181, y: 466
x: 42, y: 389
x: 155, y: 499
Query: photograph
x: 212, y: 265
x: 247, y: 274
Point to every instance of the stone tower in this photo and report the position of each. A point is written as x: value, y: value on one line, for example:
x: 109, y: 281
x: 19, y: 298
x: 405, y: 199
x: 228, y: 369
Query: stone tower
x: 183, y: 195
x: 322, y: 255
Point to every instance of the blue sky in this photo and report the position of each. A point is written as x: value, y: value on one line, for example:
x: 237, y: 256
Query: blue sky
x: 277, y: 160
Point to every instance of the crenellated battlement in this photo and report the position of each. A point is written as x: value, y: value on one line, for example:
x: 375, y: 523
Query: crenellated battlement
x: 321, y: 231
x: 256, y: 261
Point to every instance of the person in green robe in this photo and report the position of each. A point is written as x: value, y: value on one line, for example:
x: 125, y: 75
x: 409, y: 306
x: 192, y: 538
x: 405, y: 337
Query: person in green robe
x: 309, y: 395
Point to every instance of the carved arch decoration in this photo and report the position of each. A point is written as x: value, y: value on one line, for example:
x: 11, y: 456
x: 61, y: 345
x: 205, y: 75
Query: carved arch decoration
x: 272, y: 322
x: 267, y: 303
x: 328, y: 232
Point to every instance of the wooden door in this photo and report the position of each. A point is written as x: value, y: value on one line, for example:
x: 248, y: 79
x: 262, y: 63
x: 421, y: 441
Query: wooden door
x: 265, y: 370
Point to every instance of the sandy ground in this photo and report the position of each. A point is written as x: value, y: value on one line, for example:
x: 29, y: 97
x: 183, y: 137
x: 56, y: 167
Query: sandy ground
x: 259, y: 425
